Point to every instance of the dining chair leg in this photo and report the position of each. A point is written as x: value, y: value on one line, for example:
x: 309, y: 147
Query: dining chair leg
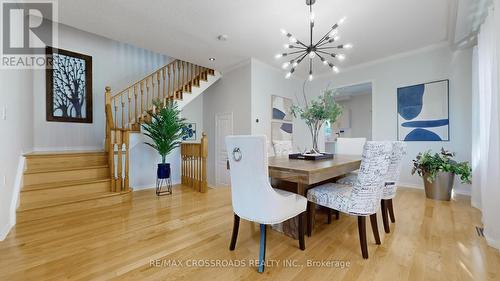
x: 385, y: 218
x: 362, y: 236
x: 329, y: 215
x: 262, y: 252
x: 311, y: 212
x: 300, y: 229
x: 234, y: 237
x: 373, y: 221
x: 337, y: 214
x: 391, y: 210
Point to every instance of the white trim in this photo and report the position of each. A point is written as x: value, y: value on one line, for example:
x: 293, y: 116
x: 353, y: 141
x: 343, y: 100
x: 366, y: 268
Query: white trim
x: 68, y: 148
x: 217, y: 142
x: 236, y: 65
x: 421, y: 186
x: 151, y: 186
x: 14, y: 201
x: 428, y: 48
x: 5, y: 231
x: 491, y: 242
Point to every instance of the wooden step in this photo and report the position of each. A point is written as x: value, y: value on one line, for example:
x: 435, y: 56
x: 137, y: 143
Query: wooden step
x: 50, y: 175
x: 47, y: 194
x: 71, y: 205
x: 65, y: 159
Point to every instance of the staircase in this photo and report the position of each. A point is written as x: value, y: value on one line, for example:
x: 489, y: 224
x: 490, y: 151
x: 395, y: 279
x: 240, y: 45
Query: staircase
x: 61, y: 182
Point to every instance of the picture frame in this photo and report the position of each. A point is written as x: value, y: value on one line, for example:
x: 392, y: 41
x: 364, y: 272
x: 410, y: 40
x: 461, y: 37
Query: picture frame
x: 68, y: 86
x: 423, y: 112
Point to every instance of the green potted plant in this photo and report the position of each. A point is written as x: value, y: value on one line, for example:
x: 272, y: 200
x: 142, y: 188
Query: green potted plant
x: 317, y: 112
x: 438, y: 171
x: 165, y: 129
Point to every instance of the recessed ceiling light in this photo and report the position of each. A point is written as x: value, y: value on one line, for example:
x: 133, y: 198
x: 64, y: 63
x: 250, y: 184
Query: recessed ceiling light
x: 222, y: 37
x: 211, y: 59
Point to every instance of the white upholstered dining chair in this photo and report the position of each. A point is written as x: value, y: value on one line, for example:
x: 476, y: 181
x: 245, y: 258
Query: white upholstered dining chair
x: 350, y: 146
x: 362, y: 199
x: 282, y: 147
x: 253, y: 198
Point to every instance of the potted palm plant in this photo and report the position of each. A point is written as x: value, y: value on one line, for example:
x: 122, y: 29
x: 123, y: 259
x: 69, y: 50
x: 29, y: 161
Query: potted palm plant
x: 438, y: 171
x: 164, y: 127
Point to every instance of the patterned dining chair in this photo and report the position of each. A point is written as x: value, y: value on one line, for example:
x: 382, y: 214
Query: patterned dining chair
x: 362, y: 199
x: 253, y: 198
x: 389, y: 191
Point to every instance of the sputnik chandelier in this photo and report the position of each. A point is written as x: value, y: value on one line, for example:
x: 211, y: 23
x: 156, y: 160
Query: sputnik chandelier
x: 322, y: 49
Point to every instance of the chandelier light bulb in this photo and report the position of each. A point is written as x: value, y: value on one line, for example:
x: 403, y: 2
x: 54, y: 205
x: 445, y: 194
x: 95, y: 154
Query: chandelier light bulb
x: 300, y: 50
x: 333, y: 33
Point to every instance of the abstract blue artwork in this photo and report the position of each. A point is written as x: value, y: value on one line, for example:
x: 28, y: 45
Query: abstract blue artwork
x: 190, y: 132
x: 423, y: 112
x: 281, y: 108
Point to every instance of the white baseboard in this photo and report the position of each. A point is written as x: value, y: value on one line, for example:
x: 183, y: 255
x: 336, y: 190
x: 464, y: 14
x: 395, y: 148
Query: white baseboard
x: 491, y: 242
x: 151, y: 186
x: 421, y: 186
x: 4, y: 231
x: 14, y: 201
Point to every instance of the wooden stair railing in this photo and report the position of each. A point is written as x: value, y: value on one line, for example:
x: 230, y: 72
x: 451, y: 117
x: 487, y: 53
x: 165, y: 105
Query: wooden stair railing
x: 194, y: 164
x: 127, y: 109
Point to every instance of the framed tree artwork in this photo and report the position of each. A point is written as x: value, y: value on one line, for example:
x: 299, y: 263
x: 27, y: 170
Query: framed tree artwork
x: 68, y: 86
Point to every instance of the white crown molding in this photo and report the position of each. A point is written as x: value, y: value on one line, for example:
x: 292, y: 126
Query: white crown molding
x: 428, y: 48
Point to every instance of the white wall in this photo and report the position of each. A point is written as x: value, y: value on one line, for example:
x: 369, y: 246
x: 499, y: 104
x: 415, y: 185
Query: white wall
x: 430, y: 64
x: 193, y: 112
x: 17, y: 138
x: 359, y: 107
x: 268, y: 81
x: 231, y: 93
x: 115, y: 64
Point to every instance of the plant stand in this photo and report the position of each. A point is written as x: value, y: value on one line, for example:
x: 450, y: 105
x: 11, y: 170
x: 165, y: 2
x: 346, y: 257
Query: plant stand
x: 163, y: 186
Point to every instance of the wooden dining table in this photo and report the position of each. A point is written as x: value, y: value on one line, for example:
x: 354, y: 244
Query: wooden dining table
x: 296, y: 175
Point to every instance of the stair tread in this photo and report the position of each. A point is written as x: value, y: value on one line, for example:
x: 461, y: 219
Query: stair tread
x: 42, y: 186
x: 63, y: 153
x: 67, y: 200
x: 63, y: 169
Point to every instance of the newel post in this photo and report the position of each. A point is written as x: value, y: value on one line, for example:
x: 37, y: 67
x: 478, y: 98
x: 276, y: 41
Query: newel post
x: 204, y: 154
x: 107, y: 112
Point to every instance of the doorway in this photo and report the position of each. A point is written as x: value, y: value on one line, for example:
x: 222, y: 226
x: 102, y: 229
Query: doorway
x: 223, y: 128
x: 356, y: 119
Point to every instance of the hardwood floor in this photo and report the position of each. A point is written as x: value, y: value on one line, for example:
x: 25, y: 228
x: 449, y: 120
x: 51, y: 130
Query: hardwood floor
x: 135, y: 240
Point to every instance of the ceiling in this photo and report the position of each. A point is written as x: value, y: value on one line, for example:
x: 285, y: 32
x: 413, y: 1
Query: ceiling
x: 188, y: 29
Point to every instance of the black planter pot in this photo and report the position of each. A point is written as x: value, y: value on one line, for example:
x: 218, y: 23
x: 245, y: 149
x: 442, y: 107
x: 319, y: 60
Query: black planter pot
x: 163, y: 171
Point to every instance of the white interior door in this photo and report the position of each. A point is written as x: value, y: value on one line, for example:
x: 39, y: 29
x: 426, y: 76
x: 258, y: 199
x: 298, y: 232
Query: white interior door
x: 223, y: 128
